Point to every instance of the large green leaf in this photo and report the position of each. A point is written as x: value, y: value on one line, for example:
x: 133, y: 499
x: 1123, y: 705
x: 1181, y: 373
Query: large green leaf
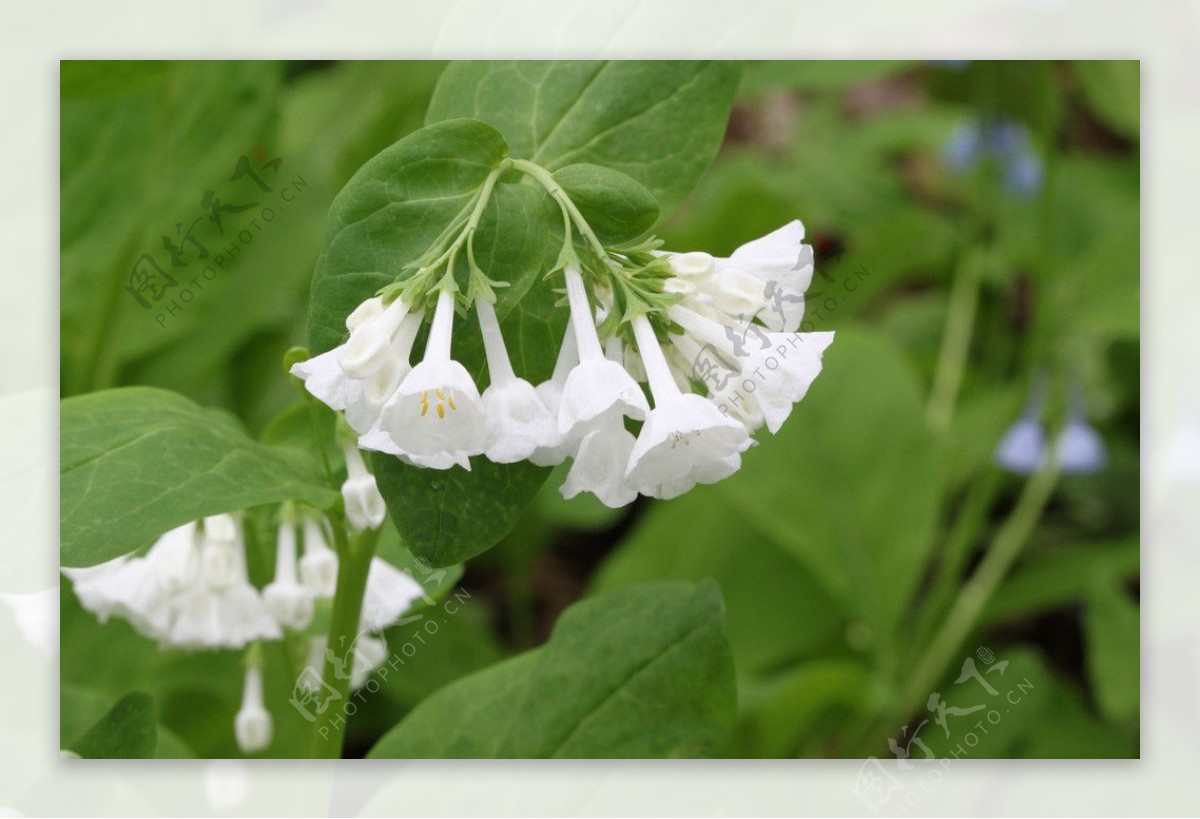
x: 642, y: 671
x: 776, y: 613
x: 127, y: 731
x: 850, y: 485
x: 659, y: 121
x: 138, y: 461
x: 141, y: 148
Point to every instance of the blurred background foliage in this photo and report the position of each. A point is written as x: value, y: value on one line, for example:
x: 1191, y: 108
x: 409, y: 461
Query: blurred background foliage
x: 843, y: 542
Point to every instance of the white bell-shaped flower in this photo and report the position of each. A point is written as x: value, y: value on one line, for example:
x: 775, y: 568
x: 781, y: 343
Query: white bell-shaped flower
x: 100, y: 587
x: 436, y: 418
x: 779, y: 266
x: 365, y: 508
x: 326, y: 376
x: 775, y: 370
x: 252, y: 725
x: 141, y: 590
x: 289, y: 602
x: 519, y: 423
x: 367, y: 397
x: 686, y: 440
x: 319, y: 565
x: 550, y: 391
x: 596, y: 385
x: 220, y: 609
x: 600, y: 463
x: 369, y: 347
x: 389, y: 593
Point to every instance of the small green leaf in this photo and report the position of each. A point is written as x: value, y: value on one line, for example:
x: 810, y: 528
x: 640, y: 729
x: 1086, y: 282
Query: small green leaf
x: 136, y: 462
x: 617, y: 207
x: 1113, y: 90
x: 447, y: 516
x: 659, y: 121
x: 127, y: 731
x: 1113, y: 647
x: 1061, y: 576
x: 642, y: 671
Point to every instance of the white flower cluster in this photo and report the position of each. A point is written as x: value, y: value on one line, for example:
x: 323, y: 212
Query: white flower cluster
x: 191, y: 590
x: 731, y: 330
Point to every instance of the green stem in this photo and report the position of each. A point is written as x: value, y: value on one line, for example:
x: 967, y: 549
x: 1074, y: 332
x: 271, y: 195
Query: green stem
x: 957, y: 548
x: 964, y: 614
x: 544, y: 178
x: 354, y: 563
x: 956, y: 344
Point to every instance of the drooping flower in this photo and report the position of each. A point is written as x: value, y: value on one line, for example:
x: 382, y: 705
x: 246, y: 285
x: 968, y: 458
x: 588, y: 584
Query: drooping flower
x: 774, y: 370
x: 358, y: 377
x: 600, y: 461
x: 1002, y: 141
x: 390, y: 593
x: 596, y: 385
x: 519, y: 423
x: 289, y: 602
x: 1022, y: 450
x: 365, y: 508
x: 1079, y: 448
x: 319, y: 565
x: 435, y: 418
x: 253, y: 726
x: 550, y: 391
x: 1023, y: 447
x: 220, y: 609
x: 686, y: 439
x: 190, y: 590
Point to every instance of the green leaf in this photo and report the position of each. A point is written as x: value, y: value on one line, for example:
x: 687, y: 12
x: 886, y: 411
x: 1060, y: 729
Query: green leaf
x: 659, y: 121
x: 1075, y: 732
x: 776, y: 613
x: 779, y: 716
x: 617, y: 207
x: 141, y: 145
x: 127, y: 731
x: 136, y: 462
x: 1113, y: 647
x: 1061, y: 576
x: 642, y: 671
x: 1113, y: 90
x: 447, y: 516
x: 391, y: 212
x: 850, y: 485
